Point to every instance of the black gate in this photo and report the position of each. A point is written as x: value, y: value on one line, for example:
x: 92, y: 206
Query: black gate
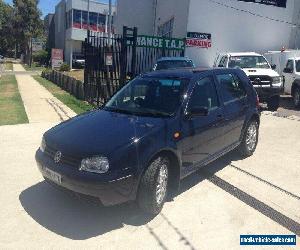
x: 110, y: 62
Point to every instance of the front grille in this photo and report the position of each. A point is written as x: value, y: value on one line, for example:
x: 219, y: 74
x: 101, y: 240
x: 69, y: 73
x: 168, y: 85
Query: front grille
x: 65, y: 159
x: 261, y: 80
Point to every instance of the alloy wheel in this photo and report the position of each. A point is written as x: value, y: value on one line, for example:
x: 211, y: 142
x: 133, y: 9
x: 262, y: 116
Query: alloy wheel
x: 162, y: 182
x: 251, y: 137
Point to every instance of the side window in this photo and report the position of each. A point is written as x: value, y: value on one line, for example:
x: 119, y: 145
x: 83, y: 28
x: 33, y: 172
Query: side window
x: 290, y: 65
x: 231, y: 87
x: 298, y: 66
x: 223, y: 62
x: 204, y: 94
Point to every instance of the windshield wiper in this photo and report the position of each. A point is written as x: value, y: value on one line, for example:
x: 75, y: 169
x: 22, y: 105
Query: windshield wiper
x: 156, y: 113
x: 118, y: 110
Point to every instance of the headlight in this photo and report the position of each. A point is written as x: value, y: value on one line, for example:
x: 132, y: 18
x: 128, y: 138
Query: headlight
x: 96, y: 164
x: 43, y: 145
x: 277, y: 79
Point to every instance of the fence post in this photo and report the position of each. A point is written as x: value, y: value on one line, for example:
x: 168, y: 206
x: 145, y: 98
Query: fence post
x: 133, y: 62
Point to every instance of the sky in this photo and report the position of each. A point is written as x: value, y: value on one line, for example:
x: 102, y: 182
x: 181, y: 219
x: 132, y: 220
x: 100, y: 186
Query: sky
x: 48, y: 6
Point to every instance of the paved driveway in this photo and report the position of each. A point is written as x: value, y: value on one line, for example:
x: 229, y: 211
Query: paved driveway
x: 258, y: 195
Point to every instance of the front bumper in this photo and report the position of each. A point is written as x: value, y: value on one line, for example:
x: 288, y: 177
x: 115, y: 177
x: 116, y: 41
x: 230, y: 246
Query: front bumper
x: 110, y: 193
x: 265, y: 92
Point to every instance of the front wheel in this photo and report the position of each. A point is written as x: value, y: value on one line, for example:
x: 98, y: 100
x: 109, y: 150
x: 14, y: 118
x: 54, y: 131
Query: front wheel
x: 273, y: 103
x: 250, y: 139
x: 296, y: 97
x: 153, y: 187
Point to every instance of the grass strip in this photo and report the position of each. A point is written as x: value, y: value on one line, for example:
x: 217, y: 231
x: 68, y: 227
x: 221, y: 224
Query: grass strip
x: 12, y: 110
x: 72, y: 102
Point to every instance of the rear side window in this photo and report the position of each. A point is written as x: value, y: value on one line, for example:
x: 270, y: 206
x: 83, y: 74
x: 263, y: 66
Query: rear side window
x: 231, y: 87
x: 223, y: 62
x: 204, y: 94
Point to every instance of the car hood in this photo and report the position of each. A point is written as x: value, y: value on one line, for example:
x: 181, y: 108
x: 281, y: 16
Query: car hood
x: 99, y: 132
x: 257, y: 71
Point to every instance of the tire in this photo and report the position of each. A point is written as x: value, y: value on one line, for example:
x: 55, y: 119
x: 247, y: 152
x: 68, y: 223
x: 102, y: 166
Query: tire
x: 250, y: 139
x: 296, y: 97
x: 273, y: 103
x: 153, y: 187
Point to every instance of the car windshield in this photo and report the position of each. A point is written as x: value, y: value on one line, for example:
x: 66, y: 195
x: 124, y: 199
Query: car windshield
x: 248, y: 62
x: 80, y: 57
x: 149, y: 97
x: 173, y: 64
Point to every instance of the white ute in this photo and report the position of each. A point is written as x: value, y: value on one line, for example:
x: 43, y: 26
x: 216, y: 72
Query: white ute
x: 266, y: 81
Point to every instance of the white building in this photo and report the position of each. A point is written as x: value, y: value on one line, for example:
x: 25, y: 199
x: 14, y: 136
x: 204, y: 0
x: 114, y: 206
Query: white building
x: 217, y: 25
x: 71, y: 24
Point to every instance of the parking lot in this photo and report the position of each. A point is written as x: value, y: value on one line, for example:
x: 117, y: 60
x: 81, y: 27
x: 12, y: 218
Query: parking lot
x: 233, y: 196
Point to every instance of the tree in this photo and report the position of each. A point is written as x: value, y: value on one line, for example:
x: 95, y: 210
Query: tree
x: 27, y: 24
x: 7, y: 40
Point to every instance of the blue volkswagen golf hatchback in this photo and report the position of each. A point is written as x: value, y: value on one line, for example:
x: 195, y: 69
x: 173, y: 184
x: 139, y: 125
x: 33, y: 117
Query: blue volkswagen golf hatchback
x: 156, y: 130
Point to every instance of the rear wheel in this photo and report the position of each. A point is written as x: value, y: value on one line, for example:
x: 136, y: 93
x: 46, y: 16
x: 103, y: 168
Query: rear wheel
x: 153, y: 187
x: 250, y: 139
x: 273, y: 103
x: 296, y: 97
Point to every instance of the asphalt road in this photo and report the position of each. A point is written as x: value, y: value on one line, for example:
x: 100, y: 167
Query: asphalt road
x: 233, y: 196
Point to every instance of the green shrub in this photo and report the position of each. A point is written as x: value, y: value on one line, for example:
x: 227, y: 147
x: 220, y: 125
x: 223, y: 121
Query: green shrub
x: 40, y: 57
x: 64, y: 67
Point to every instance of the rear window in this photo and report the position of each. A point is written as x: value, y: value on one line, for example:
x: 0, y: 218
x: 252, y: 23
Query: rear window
x: 173, y: 64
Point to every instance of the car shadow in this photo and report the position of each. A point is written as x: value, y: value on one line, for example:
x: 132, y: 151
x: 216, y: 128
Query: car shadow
x: 78, y: 219
x: 286, y: 102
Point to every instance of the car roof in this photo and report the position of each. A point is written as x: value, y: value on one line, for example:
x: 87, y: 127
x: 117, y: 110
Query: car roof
x: 294, y: 58
x: 174, y: 58
x: 241, y: 54
x: 187, y: 73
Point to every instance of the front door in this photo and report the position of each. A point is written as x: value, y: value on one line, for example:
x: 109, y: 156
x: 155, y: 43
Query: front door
x: 289, y: 76
x: 202, y: 135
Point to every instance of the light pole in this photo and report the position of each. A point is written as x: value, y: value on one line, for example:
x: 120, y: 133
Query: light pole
x: 109, y: 20
x: 88, y: 19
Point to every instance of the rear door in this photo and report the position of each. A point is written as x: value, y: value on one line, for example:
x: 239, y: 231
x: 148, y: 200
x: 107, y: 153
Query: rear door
x: 234, y: 98
x: 202, y: 135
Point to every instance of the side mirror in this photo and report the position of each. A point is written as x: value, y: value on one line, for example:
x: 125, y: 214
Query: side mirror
x: 197, y: 111
x: 154, y: 67
x: 287, y: 70
x: 273, y: 66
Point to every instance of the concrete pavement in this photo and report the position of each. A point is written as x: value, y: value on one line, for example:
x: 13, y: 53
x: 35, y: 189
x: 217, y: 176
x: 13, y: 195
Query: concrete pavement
x: 233, y: 196
x: 40, y: 105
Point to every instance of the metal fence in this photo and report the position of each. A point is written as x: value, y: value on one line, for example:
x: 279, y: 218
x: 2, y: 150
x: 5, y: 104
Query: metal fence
x: 110, y: 62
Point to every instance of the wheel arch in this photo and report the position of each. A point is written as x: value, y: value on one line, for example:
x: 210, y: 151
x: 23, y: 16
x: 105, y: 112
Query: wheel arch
x: 296, y: 84
x: 175, y: 165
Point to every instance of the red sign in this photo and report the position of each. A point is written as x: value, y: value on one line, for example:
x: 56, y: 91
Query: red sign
x: 57, y: 58
x: 57, y: 54
x: 195, y: 42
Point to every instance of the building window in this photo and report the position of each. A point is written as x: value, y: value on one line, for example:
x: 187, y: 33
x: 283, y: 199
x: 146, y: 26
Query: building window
x: 166, y: 29
x: 77, y: 19
x: 97, y: 21
x: 93, y: 21
x: 84, y: 19
x: 101, y: 23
